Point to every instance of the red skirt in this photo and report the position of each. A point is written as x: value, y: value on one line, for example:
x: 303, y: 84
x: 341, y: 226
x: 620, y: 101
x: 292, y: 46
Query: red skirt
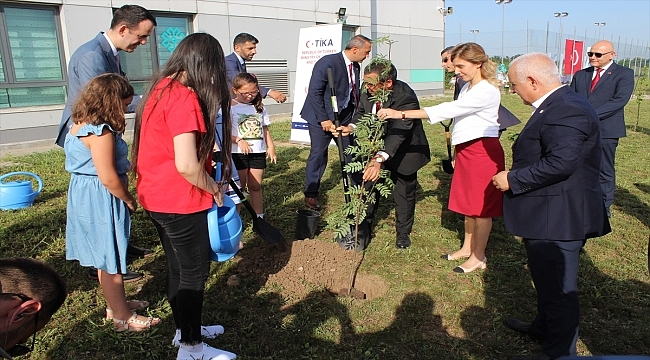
x: 472, y: 192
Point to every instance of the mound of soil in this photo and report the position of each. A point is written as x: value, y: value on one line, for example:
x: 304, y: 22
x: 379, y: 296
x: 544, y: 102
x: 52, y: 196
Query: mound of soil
x: 306, y: 266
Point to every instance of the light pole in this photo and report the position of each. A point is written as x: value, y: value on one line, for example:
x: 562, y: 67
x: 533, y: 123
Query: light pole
x: 599, y: 25
x: 559, y: 55
x: 503, y: 21
x: 474, y: 32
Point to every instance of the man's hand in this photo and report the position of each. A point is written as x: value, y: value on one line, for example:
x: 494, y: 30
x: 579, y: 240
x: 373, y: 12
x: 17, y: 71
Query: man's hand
x: 277, y: 96
x: 345, y: 130
x: 500, y: 181
x: 372, y: 171
x: 328, y: 126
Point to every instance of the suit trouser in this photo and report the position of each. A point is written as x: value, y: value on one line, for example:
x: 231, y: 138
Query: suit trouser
x: 607, y: 171
x: 404, y: 197
x: 554, y: 269
x: 317, y: 160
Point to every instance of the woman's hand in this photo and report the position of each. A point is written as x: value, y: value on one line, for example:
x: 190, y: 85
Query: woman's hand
x: 270, y: 154
x: 384, y: 114
x: 218, y: 198
x: 132, y: 205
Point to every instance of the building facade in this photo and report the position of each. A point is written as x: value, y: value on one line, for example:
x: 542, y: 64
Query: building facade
x: 38, y: 37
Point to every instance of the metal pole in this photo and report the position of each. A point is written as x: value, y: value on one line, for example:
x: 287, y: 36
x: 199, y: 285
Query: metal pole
x: 548, y: 24
x: 503, y: 27
x: 527, y: 36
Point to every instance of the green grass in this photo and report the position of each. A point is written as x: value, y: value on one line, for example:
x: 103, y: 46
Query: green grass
x: 427, y: 313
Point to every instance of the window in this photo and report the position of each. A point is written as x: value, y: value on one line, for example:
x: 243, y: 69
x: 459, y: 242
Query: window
x: 348, y: 33
x: 31, y: 57
x: 141, y: 64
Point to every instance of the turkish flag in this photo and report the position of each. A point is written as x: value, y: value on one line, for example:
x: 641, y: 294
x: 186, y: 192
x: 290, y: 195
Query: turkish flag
x: 573, y: 56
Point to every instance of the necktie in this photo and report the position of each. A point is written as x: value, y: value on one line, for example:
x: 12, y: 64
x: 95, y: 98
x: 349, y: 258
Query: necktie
x: 354, y: 88
x: 377, y: 107
x: 594, y: 81
x: 243, y: 66
x: 117, y: 61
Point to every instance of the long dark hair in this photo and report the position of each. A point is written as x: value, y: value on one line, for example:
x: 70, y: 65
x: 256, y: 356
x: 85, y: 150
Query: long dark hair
x: 242, y: 79
x: 198, y: 62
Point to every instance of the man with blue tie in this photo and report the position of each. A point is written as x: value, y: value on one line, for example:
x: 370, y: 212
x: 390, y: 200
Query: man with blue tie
x: 131, y: 26
x: 245, y: 47
x: 552, y: 199
x: 608, y: 87
x: 318, y: 111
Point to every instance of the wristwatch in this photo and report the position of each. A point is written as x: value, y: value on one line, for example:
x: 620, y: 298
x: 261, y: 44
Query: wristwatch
x: 379, y: 159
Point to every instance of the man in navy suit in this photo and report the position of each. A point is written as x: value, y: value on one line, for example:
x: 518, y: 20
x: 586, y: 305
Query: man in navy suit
x: 130, y: 27
x: 608, y: 87
x: 552, y: 198
x: 318, y: 111
x: 245, y: 47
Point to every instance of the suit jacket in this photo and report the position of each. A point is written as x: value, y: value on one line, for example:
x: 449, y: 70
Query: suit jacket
x: 318, y: 106
x: 404, y: 141
x: 554, y: 188
x: 611, y: 94
x: 89, y: 60
x: 234, y: 67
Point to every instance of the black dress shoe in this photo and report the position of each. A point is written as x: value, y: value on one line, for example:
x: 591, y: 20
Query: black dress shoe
x: 538, y: 356
x: 130, y: 276
x: 403, y: 241
x: 136, y: 252
x: 524, y: 328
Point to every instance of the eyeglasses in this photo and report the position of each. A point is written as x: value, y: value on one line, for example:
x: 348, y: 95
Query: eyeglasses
x: 251, y: 93
x: 19, y: 350
x: 597, y: 55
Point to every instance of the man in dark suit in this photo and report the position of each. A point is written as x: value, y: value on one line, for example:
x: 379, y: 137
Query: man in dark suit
x: 245, y: 47
x: 608, y: 87
x: 553, y: 198
x: 448, y: 65
x: 318, y: 111
x: 130, y: 27
x: 406, y: 149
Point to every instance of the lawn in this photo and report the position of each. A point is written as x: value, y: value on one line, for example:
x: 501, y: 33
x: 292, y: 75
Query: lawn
x: 426, y: 312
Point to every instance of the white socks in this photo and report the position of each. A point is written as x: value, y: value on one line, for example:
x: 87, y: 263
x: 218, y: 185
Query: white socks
x: 261, y: 216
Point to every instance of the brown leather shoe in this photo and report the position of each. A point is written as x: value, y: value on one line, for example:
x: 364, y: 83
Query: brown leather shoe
x: 312, y: 203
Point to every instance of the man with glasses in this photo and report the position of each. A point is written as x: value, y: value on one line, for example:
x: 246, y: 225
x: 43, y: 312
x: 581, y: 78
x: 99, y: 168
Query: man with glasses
x: 449, y: 66
x: 30, y: 293
x: 131, y: 26
x: 607, y: 87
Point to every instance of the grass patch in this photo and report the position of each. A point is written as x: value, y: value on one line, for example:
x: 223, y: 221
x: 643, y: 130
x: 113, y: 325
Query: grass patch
x: 429, y: 312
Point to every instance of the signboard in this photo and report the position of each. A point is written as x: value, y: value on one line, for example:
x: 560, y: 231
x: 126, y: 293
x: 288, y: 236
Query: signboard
x: 313, y: 43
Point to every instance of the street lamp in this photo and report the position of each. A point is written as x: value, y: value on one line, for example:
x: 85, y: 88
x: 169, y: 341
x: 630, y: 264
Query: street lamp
x: 559, y: 55
x: 599, y: 25
x: 503, y: 21
x: 474, y: 32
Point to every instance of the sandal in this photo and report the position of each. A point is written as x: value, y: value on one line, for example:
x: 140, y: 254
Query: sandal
x: 133, y: 305
x: 135, y: 323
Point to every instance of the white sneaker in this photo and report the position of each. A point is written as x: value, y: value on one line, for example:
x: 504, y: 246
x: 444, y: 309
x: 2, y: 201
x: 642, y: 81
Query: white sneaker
x: 210, y: 332
x: 208, y: 353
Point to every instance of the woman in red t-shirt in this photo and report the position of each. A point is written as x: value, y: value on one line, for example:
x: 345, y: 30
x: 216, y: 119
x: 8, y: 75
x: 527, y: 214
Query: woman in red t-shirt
x: 172, y: 150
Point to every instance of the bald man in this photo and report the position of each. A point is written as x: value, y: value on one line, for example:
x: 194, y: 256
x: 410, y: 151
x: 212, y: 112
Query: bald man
x: 608, y: 87
x: 552, y: 199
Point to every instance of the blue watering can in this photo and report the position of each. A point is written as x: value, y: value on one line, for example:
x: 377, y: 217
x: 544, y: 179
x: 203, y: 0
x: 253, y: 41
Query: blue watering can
x: 18, y: 194
x: 224, y: 227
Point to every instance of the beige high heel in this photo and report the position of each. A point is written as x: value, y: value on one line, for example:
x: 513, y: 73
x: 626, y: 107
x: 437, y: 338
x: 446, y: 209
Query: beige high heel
x: 480, y: 265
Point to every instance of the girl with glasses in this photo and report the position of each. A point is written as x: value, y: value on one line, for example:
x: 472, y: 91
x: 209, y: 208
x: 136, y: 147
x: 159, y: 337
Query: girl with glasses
x: 251, y: 140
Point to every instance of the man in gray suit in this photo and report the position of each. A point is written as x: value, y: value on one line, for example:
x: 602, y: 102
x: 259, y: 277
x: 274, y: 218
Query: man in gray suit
x: 130, y: 27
